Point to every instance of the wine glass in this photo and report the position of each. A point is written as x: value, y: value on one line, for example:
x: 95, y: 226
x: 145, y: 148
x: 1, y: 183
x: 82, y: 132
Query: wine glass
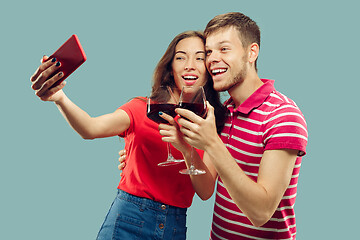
x: 163, y: 100
x: 193, y: 98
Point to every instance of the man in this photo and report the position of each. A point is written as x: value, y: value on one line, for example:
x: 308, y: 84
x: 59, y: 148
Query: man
x: 257, y: 157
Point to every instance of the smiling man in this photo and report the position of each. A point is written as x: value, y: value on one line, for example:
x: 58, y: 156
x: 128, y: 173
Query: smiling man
x: 258, y: 155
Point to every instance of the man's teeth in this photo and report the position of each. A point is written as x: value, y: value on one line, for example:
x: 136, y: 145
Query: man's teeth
x: 217, y: 71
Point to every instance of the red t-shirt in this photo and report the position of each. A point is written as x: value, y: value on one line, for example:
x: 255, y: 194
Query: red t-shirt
x: 144, y: 150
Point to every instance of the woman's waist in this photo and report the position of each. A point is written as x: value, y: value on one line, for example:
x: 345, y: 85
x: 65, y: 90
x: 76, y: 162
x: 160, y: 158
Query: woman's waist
x: 144, y: 202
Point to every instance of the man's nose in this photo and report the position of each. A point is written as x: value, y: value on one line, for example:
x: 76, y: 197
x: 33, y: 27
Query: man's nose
x: 213, y: 57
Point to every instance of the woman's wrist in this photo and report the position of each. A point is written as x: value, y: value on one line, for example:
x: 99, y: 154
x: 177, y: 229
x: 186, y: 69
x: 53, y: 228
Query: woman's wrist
x: 60, y: 99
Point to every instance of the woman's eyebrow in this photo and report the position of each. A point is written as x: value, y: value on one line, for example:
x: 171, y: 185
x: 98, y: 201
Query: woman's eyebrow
x: 180, y: 52
x: 183, y: 52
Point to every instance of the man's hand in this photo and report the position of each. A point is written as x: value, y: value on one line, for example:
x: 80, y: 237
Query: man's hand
x: 122, y: 158
x: 198, y: 132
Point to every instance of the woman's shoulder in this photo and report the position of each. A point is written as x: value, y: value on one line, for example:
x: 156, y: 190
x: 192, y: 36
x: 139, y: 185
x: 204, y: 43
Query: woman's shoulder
x: 137, y: 100
x: 134, y: 103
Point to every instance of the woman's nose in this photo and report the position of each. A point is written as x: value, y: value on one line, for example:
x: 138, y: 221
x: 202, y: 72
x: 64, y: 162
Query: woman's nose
x: 190, y: 65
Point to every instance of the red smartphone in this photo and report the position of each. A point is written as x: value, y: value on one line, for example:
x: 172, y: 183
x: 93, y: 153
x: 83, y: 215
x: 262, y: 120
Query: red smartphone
x: 71, y: 55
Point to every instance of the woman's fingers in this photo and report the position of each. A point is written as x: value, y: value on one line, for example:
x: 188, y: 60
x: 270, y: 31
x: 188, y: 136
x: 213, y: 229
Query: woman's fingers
x: 167, y: 117
x: 44, y: 71
x: 44, y: 59
x: 43, y: 91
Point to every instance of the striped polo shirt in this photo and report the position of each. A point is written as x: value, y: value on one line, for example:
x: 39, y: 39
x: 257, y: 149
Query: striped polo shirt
x: 267, y: 120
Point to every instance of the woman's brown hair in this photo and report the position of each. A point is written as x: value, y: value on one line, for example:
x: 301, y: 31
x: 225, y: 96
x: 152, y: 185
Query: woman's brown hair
x: 163, y: 77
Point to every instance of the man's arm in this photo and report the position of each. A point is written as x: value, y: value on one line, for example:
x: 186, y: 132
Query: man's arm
x: 258, y: 200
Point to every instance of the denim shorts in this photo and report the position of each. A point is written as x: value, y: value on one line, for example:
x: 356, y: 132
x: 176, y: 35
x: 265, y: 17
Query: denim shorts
x: 131, y: 217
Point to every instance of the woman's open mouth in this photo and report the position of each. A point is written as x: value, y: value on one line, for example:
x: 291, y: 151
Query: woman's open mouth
x: 190, y: 79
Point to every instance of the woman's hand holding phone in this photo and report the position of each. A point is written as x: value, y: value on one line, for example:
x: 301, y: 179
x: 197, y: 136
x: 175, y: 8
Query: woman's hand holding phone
x: 44, y: 79
x: 48, y: 79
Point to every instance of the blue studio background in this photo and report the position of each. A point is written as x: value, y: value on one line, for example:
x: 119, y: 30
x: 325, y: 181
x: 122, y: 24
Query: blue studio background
x: 55, y: 185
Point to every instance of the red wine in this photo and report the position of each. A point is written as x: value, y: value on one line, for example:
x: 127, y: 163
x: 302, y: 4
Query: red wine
x: 197, y: 108
x: 154, y: 109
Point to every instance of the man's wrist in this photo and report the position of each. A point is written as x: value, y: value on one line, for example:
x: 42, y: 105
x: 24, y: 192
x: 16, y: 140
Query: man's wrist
x: 213, y: 145
x: 187, y: 152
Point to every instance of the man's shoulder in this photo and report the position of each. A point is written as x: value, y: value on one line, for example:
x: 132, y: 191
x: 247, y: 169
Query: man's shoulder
x: 278, y: 106
x: 278, y: 100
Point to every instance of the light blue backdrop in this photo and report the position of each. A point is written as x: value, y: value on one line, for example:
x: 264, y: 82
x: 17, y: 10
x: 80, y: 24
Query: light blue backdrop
x: 55, y: 185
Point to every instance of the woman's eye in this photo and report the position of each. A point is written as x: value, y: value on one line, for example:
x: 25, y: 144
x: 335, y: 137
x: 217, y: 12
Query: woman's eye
x: 200, y: 59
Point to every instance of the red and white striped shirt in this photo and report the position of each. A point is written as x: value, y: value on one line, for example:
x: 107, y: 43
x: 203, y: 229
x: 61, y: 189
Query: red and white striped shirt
x: 267, y: 120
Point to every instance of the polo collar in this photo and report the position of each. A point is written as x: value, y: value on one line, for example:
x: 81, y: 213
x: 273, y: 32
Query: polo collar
x: 255, y: 99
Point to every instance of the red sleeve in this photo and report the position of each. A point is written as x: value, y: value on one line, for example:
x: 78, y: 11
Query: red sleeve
x: 133, y: 108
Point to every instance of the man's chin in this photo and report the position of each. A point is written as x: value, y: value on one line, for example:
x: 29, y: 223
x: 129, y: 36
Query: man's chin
x: 227, y: 85
x: 221, y: 87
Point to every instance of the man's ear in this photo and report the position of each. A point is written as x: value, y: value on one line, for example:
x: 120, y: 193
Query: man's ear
x: 253, y: 52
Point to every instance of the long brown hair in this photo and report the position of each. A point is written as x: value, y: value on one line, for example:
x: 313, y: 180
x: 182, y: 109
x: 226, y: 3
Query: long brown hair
x: 163, y: 77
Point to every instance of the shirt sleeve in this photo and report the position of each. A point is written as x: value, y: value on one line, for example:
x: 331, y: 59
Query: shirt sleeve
x: 285, y: 128
x: 133, y: 109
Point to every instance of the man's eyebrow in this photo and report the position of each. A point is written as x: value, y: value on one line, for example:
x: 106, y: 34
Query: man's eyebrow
x: 219, y: 43
x: 225, y: 41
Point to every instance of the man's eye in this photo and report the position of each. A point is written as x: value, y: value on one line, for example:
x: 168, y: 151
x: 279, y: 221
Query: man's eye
x: 224, y: 49
x: 208, y: 53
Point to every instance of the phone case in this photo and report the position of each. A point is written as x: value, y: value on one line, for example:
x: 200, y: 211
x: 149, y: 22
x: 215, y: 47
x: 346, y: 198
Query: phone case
x: 71, y: 55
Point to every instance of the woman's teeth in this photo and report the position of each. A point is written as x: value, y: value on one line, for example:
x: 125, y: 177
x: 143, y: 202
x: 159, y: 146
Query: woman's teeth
x: 190, y: 77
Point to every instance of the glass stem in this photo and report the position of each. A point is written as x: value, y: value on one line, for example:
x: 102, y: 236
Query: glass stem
x: 170, y: 156
x: 192, y: 166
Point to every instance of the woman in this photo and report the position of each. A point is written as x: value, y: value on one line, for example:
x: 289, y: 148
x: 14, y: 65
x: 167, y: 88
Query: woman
x: 151, y: 200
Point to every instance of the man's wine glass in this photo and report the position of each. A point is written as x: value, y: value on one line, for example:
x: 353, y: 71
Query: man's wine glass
x: 193, y: 98
x: 163, y: 100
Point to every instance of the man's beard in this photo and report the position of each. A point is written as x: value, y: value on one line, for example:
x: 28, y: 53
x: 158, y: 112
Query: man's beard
x: 239, y: 78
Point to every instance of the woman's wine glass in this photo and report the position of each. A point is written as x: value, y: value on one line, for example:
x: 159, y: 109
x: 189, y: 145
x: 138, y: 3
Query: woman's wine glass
x: 193, y: 98
x: 163, y: 100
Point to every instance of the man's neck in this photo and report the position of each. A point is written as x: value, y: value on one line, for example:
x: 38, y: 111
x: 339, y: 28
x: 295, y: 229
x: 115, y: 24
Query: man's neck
x: 242, y: 91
